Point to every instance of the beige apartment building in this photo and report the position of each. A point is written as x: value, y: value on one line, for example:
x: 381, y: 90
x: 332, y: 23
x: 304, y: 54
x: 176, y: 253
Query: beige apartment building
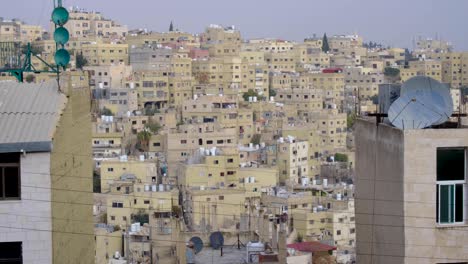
x: 127, y: 199
x: 281, y: 61
x: 363, y: 82
x: 139, y: 39
x: 332, y: 85
x: 292, y: 160
x: 409, y: 194
x: 16, y: 30
x: 187, y: 140
x: 225, y: 74
x: 222, y: 42
x: 83, y: 24
x: 141, y: 171
x: 98, y: 54
x: 430, y: 68
x: 223, y: 110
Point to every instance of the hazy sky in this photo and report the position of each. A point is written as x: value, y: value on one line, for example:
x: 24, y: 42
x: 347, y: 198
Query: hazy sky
x: 392, y: 22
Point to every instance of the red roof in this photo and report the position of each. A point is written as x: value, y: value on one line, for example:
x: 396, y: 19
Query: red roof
x: 332, y: 70
x: 312, y: 246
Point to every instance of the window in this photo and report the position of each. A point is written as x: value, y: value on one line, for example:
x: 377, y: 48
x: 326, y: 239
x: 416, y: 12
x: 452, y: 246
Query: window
x: 230, y: 160
x: 450, y: 185
x: 146, y: 202
x: 352, y: 231
x: 117, y: 204
x: 11, y: 252
x: 112, y: 217
x: 221, y: 198
x: 338, y: 232
x: 110, y: 169
x: 10, y: 186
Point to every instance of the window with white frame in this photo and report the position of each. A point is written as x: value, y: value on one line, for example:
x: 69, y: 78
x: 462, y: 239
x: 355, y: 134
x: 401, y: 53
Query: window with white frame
x: 451, y: 181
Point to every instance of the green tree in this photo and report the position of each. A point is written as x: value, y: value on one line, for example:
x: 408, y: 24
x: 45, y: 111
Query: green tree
x: 325, y: 46
x: 30, y: 78
x: 391, y: 72
x: 35, y: 49
x: 299, y: 238
x: 81, y: 61
x: 256, y: 139
x: 141, y: 217
x: 339, y: 157
x: 250, y: 93
x: 171, y: 27
x: 106, y: 111
x: 96, y: 183
x: 153, y: 126
x: 350, y: 120
x: 272, y: 92
x: 143, y: 139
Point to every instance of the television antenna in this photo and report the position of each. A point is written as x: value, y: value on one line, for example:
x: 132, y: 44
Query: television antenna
x: 23, y: 62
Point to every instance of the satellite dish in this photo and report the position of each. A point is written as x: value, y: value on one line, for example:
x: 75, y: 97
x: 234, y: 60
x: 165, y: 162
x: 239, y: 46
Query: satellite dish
x: 197, y: 244
x: 62, y: 57
x: 60, y: 16
x: 61, y: 35
x: 216, y: 240
x: 424, y: 102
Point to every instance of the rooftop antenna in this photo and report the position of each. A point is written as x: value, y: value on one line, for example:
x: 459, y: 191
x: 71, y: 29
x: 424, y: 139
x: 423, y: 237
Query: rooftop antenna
x: 17, y: 64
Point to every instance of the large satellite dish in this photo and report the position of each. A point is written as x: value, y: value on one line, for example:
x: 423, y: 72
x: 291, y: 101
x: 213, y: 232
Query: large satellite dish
x: 197, y: 244
x: 424, y: 102
x: 216, y: 240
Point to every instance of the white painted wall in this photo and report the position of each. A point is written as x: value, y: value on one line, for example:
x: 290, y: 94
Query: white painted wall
x: 21, y: 220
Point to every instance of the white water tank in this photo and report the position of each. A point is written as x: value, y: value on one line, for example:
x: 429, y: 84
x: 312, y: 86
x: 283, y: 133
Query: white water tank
x: 132, y: 85
x: 250, y: 99
x: 272, y: 98
x: 147, y: 188
x: 314, y: 182
x: 305, y: 181
x: 142, y: 157
x: 153, y: 188
x: 281, y: 140
x: 262, y: 144
x: 250, y: 145
x: 255, y: 99
x: 202, y: 188
x: 314, y: 209
x: 338, y: 196
x: 161, y: 188
x: 101, y: 85
x: 253, y: 250
x: 325, y: 182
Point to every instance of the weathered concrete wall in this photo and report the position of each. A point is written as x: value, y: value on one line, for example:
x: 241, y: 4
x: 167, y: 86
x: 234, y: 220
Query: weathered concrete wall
x: 379, y: 194
x: 71, y: 173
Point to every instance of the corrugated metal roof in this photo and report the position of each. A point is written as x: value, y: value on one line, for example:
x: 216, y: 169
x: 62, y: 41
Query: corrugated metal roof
x: 29, y: 112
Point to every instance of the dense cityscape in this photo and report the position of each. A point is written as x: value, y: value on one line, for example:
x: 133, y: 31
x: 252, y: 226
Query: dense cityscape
x: 128, y: 146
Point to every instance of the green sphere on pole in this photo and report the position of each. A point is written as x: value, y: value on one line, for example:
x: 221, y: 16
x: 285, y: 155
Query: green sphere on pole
x: 61, y: 36
x: 60, y: 16
x: 62, y: 57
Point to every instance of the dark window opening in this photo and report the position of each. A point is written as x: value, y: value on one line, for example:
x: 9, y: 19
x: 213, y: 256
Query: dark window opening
x: 11, y: 252
x: 10, y: 180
